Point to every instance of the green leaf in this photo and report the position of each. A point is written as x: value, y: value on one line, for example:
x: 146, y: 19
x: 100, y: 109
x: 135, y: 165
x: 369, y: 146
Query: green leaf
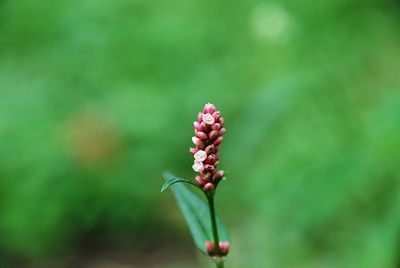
x: 172, y: 180
x: 196, y: 213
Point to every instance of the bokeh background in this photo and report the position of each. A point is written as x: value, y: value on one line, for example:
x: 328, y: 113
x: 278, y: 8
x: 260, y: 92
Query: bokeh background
x: 97, y: 99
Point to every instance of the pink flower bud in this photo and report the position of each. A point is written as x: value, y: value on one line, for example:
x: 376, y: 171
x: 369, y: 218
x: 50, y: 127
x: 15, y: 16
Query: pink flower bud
x: 216, y: 126
x: 221, y: 121
x: 213, y: 134
x: 208, y: 119
x: 216, y: 115
x: 205, y: 127
x: 197, y: 126
x: 218, y: 176
x: 218, y: 141
x: 224, y: 246
x: 210, y: 247
x: 209, y: 168
x: 209, y: 108
x: 193, y: 150
x: 210, y: 149
x: 221, y: 131
x: 200, y: 181
x: 200, y: 145
x: 202, y: 136
x: 208, y: 187
x: 200, y: 117
x: 211, y: 159
x: 216, y: 163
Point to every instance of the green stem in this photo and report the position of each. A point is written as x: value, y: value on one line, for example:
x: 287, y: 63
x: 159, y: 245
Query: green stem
x: 218, y: 260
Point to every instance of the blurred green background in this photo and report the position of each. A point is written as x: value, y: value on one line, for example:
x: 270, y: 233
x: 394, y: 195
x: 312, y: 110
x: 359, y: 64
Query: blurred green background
x: 97, y: 99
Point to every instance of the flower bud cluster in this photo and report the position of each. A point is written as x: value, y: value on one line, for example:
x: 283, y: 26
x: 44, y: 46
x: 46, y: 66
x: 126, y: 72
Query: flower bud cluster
x: 210, y: 247
x: 208, y: 137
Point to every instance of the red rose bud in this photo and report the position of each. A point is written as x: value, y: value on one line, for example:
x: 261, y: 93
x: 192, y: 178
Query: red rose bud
x: 208, y: 187
x: 200, y: 181
x: 216, y: 126
x: 210, y: 247
x: 216, y: 115
x: 200, y: 117
x: 209, y: 108
x: 201, y: 135
x: 221, y: 131
x: 218, y: 176
x: 197, y: 126
x: 218, y: 141
x: 224, y: 246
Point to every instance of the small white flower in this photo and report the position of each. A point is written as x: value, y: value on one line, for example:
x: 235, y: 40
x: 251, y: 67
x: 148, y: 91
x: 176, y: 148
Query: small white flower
x: 200, y: 156
x: 208, y: 119
x: 194, y: 140
x: 198, y: 166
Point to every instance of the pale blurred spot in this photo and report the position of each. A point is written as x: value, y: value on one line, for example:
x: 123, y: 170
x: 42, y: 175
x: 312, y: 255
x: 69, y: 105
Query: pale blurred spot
x: 92, y: 139
x: 271, y: 23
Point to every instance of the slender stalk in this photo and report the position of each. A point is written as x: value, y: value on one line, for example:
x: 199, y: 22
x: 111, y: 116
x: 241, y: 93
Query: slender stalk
x: 218, y: 260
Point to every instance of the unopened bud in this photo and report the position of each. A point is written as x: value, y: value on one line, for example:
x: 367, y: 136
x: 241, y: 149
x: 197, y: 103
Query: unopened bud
x: 216, y: 163
x: 210, y: 149
x: 200, y: 117
x: 209, y: 108
x: 211, y: 159
x: 218, y: 141
x: 201, y: 135
x: 210, y: 247
x: 206, y: 127
x: 193, y: 150
x: 209, y: 168
x: 197, y: 126
x: 221, y: 121
x: 224, y: 246
x: 200, y: 144
x: 213, y: 134
x: 218, y: 176
x: 216, y: 126
x: 221, y: 131
x: 200, y: 181
x: 208, y: 187
x: 216, y: 115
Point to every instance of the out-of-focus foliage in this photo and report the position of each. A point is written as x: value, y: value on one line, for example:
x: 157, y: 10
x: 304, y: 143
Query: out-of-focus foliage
x: 97, y: 100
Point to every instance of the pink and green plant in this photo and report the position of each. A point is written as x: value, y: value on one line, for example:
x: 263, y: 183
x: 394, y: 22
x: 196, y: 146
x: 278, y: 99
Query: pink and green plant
x: 208, y: 231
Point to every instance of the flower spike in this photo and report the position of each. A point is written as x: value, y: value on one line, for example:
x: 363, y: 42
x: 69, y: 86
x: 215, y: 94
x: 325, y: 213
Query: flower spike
x: 208, y: 139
